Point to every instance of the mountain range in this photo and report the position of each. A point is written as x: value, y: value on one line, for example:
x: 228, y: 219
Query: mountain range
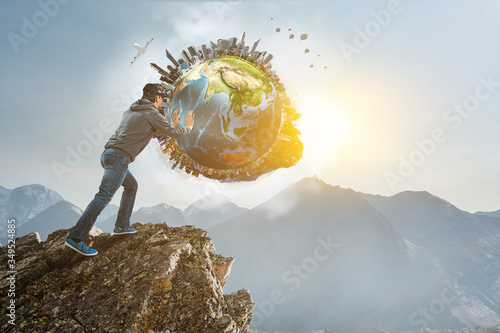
x: 39, y: 209
x: 334, y: 259
x: 321, y: 257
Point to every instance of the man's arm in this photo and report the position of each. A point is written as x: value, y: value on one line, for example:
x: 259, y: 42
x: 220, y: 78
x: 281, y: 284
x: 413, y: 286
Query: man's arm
x: 161, y: 125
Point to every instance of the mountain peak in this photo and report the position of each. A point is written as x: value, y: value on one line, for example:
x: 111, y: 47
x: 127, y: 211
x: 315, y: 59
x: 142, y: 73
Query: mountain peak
x: 161, y: 205
x: 314, y: 179
x: 25, y: 202
x: 313, y: 186
x: 36, y: 189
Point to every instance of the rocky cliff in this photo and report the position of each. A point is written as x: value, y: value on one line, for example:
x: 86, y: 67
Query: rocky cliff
x: 161, y: 279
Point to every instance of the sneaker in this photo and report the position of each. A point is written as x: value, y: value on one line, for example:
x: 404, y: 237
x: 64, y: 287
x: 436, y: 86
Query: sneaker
x: 80, y: 247
x: 117, y: 231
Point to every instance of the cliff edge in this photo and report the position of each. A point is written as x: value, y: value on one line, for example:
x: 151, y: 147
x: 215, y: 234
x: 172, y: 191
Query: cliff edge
x: 161, y: 279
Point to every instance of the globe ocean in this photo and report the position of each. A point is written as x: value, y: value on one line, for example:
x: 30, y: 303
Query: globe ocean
x: 238, y: 113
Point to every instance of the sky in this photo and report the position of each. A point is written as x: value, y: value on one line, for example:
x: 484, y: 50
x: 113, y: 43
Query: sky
x: 401, y: 95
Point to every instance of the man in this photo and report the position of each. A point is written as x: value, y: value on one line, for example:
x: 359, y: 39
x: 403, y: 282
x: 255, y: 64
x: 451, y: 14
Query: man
x: 138, y: 125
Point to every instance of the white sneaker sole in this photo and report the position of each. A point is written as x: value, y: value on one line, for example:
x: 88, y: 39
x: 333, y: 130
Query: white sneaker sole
x: 84, y: 254
x: 123, y: 233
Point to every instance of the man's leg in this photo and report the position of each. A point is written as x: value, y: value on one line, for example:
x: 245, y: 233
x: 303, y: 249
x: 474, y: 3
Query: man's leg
x: 115, y: 170
x: 127, y: 203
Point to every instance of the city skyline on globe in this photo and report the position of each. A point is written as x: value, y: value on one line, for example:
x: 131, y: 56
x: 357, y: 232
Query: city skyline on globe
x: 244, y: 120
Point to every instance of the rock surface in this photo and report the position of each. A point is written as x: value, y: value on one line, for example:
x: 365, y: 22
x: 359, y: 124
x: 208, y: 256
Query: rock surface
x: 161, y: 279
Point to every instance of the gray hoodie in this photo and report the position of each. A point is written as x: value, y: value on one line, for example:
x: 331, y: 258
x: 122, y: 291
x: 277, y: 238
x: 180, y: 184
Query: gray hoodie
x: 138, y: 125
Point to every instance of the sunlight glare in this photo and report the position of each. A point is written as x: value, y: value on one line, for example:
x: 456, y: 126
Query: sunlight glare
x: 323, y: 133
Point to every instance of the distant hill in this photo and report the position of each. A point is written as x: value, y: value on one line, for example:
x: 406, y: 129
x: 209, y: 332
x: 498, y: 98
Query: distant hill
x: 62, y: 215
x: 109, y: 211
x: 495, y: 214
x: 464, y: 246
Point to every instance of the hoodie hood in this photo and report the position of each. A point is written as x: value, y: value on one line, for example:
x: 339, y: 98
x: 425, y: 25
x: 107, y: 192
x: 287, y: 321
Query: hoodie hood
x: 142, y: 105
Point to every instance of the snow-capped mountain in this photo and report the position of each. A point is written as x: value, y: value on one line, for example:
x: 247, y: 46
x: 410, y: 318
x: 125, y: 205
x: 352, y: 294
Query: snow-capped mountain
x: 212, y: 209
x: 203, y: 213
x: 25, y: 202
x: 160, y: 213
x: 156, y: 214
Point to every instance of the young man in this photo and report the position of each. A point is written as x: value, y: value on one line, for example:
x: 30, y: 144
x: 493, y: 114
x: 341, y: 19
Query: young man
x: 138, y: 125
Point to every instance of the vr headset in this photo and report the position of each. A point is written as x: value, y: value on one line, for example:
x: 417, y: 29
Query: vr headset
x: 165, y: 93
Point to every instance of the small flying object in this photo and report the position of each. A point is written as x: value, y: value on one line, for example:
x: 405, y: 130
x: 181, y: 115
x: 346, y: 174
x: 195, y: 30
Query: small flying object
x: 140, y: 50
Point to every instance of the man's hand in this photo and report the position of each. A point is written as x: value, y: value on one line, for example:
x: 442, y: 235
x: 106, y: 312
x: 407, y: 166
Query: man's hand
x: 189, y: 121
x: 176, y: 118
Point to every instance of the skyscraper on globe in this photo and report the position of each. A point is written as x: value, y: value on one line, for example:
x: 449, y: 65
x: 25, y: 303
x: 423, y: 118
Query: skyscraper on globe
x: 244, y: 123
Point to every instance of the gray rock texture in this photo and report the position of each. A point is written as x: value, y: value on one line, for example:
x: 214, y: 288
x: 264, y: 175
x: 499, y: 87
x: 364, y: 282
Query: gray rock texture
x: 160, y: 279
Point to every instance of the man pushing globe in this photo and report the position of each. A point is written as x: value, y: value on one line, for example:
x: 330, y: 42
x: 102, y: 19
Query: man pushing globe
x: 138, y: 125
x: 244, y: 129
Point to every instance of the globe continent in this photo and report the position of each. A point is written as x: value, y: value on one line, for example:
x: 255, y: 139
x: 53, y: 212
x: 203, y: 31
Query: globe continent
x: 238, y: 113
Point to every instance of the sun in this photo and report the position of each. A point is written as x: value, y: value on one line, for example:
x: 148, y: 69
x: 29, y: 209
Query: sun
x: 324, y: 131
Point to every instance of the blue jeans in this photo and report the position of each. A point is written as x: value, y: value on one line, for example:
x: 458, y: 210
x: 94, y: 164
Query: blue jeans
x: 116, y: 174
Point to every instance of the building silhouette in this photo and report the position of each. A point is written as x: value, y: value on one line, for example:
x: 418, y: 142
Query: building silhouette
x: 254, y: 47
x: 169, y: 56
x: 204, y: 51
x: 242, y: 39
x: 192, y: 51
x: 186, y: 57
x: 232, y: 43
x: 268, y: 59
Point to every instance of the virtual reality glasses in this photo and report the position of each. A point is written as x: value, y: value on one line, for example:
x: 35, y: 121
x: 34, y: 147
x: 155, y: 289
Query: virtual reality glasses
x: 165, y: 93
x: 157, y: 89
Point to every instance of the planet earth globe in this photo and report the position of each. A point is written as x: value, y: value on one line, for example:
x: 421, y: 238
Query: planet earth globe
x: 237, y: 110
x: 244, y: 120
